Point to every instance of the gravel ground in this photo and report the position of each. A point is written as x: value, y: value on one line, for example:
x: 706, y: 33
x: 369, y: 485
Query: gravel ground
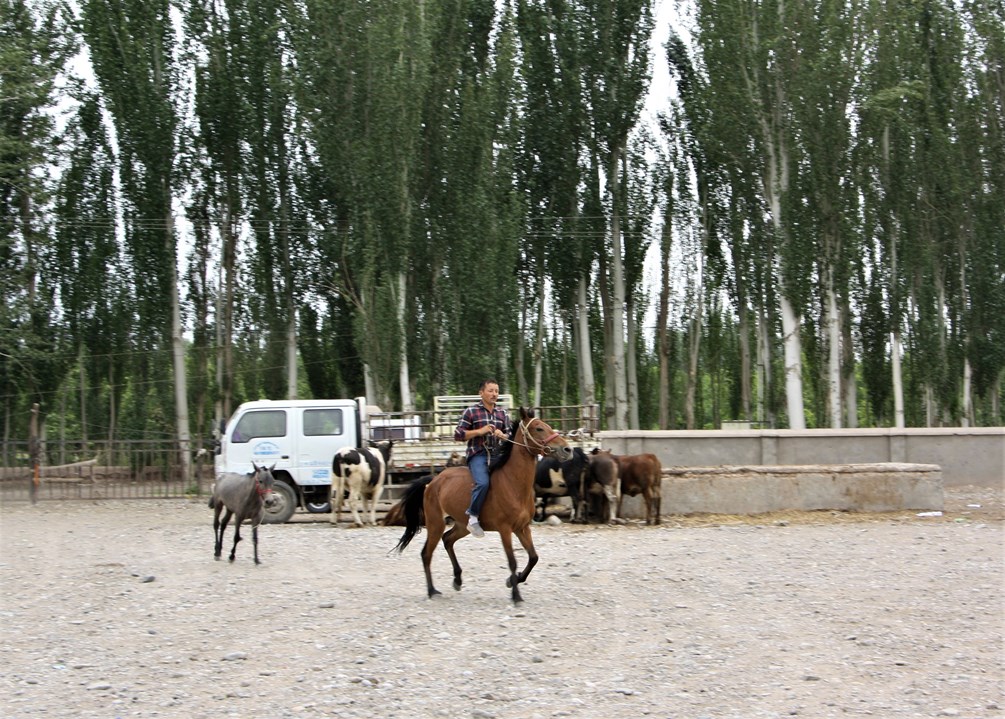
x: 117, y: 609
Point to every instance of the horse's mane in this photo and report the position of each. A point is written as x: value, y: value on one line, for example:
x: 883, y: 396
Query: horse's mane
x: 500, y: 459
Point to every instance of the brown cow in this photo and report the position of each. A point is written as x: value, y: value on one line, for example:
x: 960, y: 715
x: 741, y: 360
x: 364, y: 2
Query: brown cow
x: 641, y: 474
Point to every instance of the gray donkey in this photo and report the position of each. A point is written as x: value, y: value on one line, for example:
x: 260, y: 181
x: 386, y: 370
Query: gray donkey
x: 245, y: 496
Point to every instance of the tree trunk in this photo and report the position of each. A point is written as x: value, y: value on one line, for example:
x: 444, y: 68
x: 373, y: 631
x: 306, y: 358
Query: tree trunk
x: 291, y: 352
x: 521, y: 374
x: 113, y: 417
x: 793, y: 364
x: 995, y: 394
x: 848, y: 381
x: 81, y: 360
x: 369, y: 387
x: 620, y: 378
x: 219, y: 416
x: 229, y: 238
x: 178, y: 354
x: 588, y: 392
x: 966, y: 406
x: 608, y: 324
x: 539, y: 344
x: 694, y: 346
x: 404, y: 376
x: 746, y: 399
x: 833, y: 324
x: 632, y: 378
x: 765, y: 413
x: 662, y: 330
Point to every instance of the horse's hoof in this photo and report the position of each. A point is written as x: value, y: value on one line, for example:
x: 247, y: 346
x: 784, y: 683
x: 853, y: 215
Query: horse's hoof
x: 434, y: 592
x: 457, y: 586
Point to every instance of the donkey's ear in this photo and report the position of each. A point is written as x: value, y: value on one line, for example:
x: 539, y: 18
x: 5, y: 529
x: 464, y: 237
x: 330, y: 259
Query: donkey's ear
x: 272, y: 467
x: 254, y: 467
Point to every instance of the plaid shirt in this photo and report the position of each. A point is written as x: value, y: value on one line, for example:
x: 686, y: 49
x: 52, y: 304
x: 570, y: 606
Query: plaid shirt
x: 475, y: 417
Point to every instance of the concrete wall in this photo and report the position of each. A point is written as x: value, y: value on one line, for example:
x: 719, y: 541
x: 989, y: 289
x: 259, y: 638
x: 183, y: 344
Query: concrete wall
x: 884, y: 487
x: 965, y: 455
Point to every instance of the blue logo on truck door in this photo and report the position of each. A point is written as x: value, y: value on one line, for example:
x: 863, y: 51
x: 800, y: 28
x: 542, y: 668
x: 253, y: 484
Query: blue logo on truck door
x: 265, y: 449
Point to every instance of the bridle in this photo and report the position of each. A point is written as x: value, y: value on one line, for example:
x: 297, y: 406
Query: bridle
x: 262, y: 490
x: 539, y: 447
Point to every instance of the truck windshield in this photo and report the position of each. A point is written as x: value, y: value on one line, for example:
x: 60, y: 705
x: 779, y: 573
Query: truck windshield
x: 266, y: 423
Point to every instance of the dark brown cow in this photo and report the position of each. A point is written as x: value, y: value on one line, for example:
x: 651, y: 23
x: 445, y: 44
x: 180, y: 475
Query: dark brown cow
x: 641, y: 474
x: 601, y: 489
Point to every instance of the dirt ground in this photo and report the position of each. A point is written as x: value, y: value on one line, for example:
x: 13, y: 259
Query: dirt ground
x: 117, y: 609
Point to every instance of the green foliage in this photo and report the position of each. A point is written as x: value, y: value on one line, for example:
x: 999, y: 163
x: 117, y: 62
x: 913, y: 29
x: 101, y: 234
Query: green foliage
x: 34, y: 47
x: 329, y: 154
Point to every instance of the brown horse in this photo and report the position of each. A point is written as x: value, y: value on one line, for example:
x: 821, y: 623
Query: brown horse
x: 508, y: 508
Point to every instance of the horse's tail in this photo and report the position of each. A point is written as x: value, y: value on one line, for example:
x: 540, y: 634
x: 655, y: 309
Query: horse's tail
x: 411, y: 507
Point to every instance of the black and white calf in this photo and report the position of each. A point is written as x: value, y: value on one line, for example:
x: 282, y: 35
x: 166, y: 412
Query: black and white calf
x: 561, y: 479
x: 362, y: 472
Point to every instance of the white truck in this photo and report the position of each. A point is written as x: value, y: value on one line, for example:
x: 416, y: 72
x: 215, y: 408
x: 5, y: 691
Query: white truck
x: 300, y: 437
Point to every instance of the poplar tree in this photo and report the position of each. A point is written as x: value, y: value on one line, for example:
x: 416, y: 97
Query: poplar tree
x: 549, y: 170
x: 132, y: 48
x: 615, y: 51
x: 827, y: 34
x: 751, y: 59
x: 34, y: 45
x: 94, y: 294
x: 366, y: 70
x: 220, y: 69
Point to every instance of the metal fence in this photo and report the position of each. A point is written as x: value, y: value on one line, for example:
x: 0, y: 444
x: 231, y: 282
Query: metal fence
x: 152, y: 469
x: 124, y: 469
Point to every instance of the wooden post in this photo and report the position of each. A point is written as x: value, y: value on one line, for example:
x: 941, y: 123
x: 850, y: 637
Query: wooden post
x: 34, y: 451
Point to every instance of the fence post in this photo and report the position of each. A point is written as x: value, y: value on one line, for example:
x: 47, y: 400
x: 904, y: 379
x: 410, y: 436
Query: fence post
x: 34, y: 451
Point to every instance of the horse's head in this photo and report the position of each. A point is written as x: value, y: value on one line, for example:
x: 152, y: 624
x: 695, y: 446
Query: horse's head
x: 264, y: 483
x: 541, y: 439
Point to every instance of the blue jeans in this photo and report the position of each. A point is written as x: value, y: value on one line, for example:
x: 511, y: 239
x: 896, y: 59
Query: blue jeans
x: 478, y: 464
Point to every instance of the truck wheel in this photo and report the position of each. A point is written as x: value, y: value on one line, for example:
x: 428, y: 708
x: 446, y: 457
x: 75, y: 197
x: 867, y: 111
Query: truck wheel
x: 285, y: 506
x: 318, y: 507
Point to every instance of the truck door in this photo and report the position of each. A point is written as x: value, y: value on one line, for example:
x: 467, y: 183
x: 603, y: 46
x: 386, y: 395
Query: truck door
x: 325, y: 430
x: 261, y: 436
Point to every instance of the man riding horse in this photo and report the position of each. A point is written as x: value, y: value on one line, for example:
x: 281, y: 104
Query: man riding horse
x: 481, y: 426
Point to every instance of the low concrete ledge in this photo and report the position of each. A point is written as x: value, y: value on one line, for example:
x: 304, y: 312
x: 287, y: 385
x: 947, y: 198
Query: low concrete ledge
x: 879, y: 487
